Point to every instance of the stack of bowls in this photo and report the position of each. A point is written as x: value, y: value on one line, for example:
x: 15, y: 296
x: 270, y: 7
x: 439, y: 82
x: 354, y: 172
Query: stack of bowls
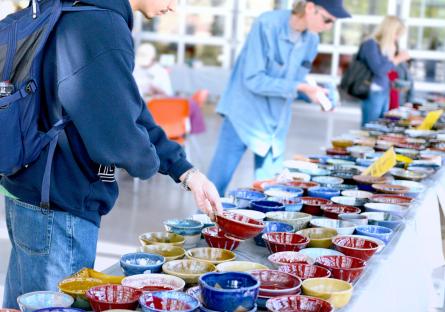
x: 288, y: 257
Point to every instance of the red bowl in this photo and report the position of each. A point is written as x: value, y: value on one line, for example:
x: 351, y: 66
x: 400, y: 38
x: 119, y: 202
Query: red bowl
x: 275, y: 283
x: 303, y: 185
x: 288, y: 257
x: 390, y: 189
x: 298, y: 303
x: 305, y: 271
x: 337, y: 151
x: 280, y: 241
x: 239, y: 227
x: 312, y: 205
x: 355, y: 246
x: 345, y: 268
x: 216, y: 238
x: 391, y: 199
x: 333, y: 210
x: 107, y: 297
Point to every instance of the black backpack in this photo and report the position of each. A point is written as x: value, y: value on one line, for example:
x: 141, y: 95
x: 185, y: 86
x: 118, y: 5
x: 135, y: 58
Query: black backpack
x: 357, y: 79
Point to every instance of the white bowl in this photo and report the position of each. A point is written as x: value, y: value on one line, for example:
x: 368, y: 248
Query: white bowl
x: 397, y: 210
x: 342, y: 227
x: 140, y: 281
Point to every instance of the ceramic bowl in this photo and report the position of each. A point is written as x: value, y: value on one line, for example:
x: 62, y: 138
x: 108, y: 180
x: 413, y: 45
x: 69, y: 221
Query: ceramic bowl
x: 108, y: 297
x: 415, y: 188
x: 294, y: 205
x: 313, y: 253
x: 407, y: 174
x: 349, y: 201
x: 391, y: 199
x: 396, y: 210
x: 266, y: 206
x: 365, y: 182
x: 283, y: 191
x: 183, y: 227
x: 344, y: 187
x: 239, y: 227
x: 325, y: 181
x: 188, y: 270
x: 305, y: 271
x: 357, y: 194
x: 304, y: 185
x: 299, y: 176
x: 49, y: 310
x: 205, y: 219
x: 319, y: 237
x: 154, y: 282
x: 228, y: 206
x: 390, y: 189
x: 379, y: 242
x: 215, y: 238
x: 342, y: 227
x: 278, y: 241
x: 355, y: 247
x: 342, y: 143
x: 323, y: 192
x: 337, y: 151
x: 345, y: 173
x: 344, y: 268
x: 161, y: 238
x: 229, y: 291
x: 77, y: 287
x: 43, y: 299
x: 288, y: 257
x: 380, y: 232
x: 313, y: 205
x: 357, y: 219
x: 276, y: 283
x: 249, y: 213
x: 384, y: 219
x: 298, y: 220
x: 335, y: 291
x: 211, y: 255
x: 168, y: 252
x: 298, y: 303
x: 316, y: 172
x: 168, y: 301
x: 140, y: 262
x: 240, y: 266
x: 243, y: 197
x: 273, y: 226
x: 359, y: 151
x: 333, y: 210
x: 191, y: 241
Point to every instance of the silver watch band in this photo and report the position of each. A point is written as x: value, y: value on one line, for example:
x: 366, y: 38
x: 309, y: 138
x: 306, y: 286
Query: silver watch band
x: 189, y: 173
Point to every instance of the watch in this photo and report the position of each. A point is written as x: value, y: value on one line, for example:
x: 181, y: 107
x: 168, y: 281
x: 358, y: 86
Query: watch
x: 189, y: 173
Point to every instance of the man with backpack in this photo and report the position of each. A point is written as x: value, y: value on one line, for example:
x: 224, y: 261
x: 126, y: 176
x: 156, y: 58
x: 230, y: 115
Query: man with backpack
x: 74, y: 113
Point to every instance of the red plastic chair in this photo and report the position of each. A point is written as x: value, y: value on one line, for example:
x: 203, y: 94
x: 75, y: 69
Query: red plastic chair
x: 200, y: 97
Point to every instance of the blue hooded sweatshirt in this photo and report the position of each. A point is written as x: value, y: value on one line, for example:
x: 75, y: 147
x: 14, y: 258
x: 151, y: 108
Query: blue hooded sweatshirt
x: 87, y: 74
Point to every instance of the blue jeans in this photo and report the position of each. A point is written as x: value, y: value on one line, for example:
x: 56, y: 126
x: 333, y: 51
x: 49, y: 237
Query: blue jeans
x: 228, y: 154
x: 375, y: 106
x: 46, y: 247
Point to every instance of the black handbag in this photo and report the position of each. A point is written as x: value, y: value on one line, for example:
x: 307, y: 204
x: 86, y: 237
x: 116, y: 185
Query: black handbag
x: 357, y: 79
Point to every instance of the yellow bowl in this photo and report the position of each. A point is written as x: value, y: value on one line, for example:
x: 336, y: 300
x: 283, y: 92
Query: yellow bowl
x: 168, y: 252
x: 320, y: 237
x: 105, y: 278
x: 211, y: 255
x: 342, y: 143
x: 161, y: 238
x: 188, y: 270
x: 240, y: 266
x: 336, y: 291
x: 78, y: 286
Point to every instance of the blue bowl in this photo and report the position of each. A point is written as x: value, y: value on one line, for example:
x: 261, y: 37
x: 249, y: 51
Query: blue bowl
x: 376, y: 231
x: 243, y: 197
x: 384, y: 219
x: 183, y: 227
x: 287, y: 192
x: 229, y: 291
x: 273, y: 226
x: 266, y: 206
x: 325, y: 181
x: 323, y: 192
x: 294, y: 204
x: 168, y: 301
x: 204, y: 309
x: 228, y: 206
x: 140, y: 262
x: 43, y: 299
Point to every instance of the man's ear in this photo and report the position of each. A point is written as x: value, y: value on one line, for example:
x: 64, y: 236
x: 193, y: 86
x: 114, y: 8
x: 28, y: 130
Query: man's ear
x: 310, y: 8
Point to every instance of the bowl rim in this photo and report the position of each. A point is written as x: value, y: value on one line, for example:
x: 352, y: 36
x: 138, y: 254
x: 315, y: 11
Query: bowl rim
x: 89, y: 295
x: 271, y: 259
x: 280, y: 298
x: 164, y: 234
x: 306, y: 239
x: 256, y: 285
x: 271, y: 215
x: 329, y: 208
x: 161, y: 247
x: 318, y: 267
x: 279, y: 273
x: 221, y: 250
x: 292, y: 228
x: 122, y: 260
x: 364, y: 193
x: 258, y: 203
x: 331, y: 230
x: 198, y: 225
x: 166, y: 265
x: 223, y: 216
x: 363, y: 262
x: 384, y: 228
x: 354, y: 238
x: 43, y: 292
x: 196, y: 302
x: 153, y: 275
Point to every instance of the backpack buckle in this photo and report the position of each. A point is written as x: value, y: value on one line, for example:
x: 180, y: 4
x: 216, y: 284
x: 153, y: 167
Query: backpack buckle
x: 30, y: 87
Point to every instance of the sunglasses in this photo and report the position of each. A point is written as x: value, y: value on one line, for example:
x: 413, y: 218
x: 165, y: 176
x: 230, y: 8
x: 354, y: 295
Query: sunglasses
x: 326, y: 20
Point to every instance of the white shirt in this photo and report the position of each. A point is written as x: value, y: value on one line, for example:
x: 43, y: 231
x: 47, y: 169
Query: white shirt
x: 154, y: 76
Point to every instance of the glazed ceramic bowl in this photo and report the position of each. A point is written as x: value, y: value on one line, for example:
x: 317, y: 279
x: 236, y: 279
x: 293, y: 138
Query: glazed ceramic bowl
x: 283, y: 191
x: 188, y: 270
x: 43, y: 299
x: 259, y: 185
x: 415, y: 188
x: 215, y: 238
x: 298, y: 220
x: 205, y: 219
x: 168, y: 252
x: 407, y: 174
x: 298, y: 303
x: 140, y: 262
x: 168, y: 301
x: 240, y: 266
x: 154, y: 282
x: 344, y: 268
x: 333, y: 210
x: 313, y: 253
x: 229, y: 291
x: 211, y: 255
x: 191, y: 241
x: 342, y: 143
x: 327, y: 181
x: 305, y: 271
x: 319, y: 237
x: 357, y: 219
x: 183, y: 227
x: 288, y: 257
x: 335, y: 291
x: 276, y: 283
x: 355, y: 247
x: 390, y: 189
x: 77, y: 287
x: 342, y: 227
x: 384, y: 219
x: 349, y: 201
x: 49, y: 310
x: 312, y: 205
x: 279, y: 241
x: 365, y: 182
x: 391, y: 199
x: 359, y: 151
x: 161, y: 238
x: 304, y: 185
x: 266, y: 206
x: 243, y: 197
x: 273, y: 226
x: 239, y: 227
x: 323, y: 192
x: 396, y: 210
x: 249, y: 213
x: 379, y: 242
x: 108, y: 297
x: 357, y: 194
x: 295, y: 204
x: 380, y: 232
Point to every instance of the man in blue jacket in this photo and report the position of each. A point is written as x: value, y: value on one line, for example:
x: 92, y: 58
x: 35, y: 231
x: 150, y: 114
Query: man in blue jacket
x: 269, y: 75
x: 87, y: 74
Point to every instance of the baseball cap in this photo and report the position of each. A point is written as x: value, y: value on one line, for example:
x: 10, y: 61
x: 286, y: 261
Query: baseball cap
x: 334, y: 7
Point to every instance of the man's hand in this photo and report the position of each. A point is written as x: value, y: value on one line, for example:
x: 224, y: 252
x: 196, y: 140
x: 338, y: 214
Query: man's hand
x: 206, y: 196
x: 311, y: 91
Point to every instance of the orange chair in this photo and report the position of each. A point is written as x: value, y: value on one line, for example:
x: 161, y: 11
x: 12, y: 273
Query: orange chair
x: 172, y: 115
x: 200, y: 97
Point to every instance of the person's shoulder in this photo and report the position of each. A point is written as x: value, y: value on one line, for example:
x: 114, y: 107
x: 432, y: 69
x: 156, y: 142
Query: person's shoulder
x: 369, y: 42
x: 274, y: 18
